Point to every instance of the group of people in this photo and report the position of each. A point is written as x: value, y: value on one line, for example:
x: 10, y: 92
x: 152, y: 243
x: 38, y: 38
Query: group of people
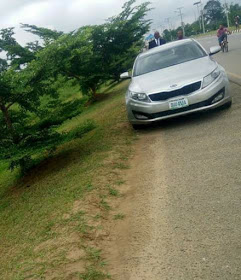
x: 222, y: 34
x: 158, y: 40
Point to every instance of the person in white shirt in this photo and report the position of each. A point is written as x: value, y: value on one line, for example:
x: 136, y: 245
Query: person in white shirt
x: 158, y: 41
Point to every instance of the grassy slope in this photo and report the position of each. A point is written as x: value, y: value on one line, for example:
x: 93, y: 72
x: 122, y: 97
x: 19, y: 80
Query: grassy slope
x: 42, y: 221
x: 212, y: 33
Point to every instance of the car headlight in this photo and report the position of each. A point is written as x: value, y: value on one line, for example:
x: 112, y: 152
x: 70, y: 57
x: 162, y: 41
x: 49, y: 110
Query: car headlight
x: 211, y: 77
x: 139, y: 96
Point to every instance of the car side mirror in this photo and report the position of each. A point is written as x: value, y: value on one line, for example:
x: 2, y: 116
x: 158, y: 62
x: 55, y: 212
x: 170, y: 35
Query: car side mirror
x: 214, y: 50
x: 125, y: 76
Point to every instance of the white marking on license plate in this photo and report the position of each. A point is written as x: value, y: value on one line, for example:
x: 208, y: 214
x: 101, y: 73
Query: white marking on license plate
x: 177, y: 104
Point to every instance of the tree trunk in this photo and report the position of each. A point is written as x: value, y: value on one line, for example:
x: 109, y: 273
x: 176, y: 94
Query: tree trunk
x: 6, y: 117
x: 8, y: 122
x: 93, y: 93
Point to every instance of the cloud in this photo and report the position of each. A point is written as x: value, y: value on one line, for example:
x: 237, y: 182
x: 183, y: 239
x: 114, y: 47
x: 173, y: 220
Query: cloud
x: 64, y: 15
x: 7, y: 8
x: 67, y: 15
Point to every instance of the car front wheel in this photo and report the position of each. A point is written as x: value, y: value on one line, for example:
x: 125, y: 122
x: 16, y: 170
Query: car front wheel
x: 227, y: 105
x: 137, y: 126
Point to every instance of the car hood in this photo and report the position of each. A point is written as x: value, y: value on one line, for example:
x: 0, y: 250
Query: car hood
x: 173, y: 77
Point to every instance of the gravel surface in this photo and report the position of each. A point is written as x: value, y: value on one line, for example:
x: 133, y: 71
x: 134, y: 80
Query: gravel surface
x: 184, y: 200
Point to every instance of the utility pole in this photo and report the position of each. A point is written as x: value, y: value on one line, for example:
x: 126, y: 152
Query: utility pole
x: 202, y: 15
x: 168, y: 22
x: 227, y: 12
x: 162, y: 28
x: 169, y: 27
x: 179, y: 11
x: 199, y: 15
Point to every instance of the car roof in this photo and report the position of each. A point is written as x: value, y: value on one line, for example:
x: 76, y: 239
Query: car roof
x: 165, y: 47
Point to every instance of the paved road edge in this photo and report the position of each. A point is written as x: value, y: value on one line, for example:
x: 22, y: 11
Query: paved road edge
x: 234, y: 78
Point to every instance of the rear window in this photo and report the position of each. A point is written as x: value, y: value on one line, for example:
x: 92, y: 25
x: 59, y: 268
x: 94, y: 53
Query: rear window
x: 168, y: 57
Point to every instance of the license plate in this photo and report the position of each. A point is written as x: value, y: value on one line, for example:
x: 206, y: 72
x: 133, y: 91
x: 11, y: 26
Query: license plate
x: 179, y: 103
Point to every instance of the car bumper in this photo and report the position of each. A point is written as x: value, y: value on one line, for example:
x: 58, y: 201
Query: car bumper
x: 198, y: 101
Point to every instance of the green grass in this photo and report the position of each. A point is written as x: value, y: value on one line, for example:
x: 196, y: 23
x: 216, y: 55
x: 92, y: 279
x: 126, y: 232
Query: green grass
x: 212, y: 33
x: 119, y: 217
x: 104, y: 205
x: 93, y: 274
x: 35, y: 235
x: 113, y: 192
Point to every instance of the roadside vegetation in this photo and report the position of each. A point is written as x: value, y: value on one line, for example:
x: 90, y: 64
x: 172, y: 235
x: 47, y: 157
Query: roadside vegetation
x: 212, y: 33
x: 214, y: 15
x: 64, y: 144
x: 31, y: 77
x: 52, y: 220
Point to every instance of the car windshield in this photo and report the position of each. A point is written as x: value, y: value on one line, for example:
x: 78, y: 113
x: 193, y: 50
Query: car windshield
x: 168, y: 57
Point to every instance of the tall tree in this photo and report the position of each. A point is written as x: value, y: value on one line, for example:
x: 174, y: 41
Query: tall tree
x: 234, y: 10
x: 23, y: 131
x: 170, y: 35
x: 121, y: 38
x: 214, y: 13
x: 95, y: 54
x: 46, y: 34
x: 17, y: 55
x: 72, y: 56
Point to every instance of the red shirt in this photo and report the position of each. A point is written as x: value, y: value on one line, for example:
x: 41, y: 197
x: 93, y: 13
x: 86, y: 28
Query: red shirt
x: 221, y: 32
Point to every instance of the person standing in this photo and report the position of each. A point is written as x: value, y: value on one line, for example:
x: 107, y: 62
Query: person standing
x: 180, y: 35
x: 158, y: 41
x: 237, y: 21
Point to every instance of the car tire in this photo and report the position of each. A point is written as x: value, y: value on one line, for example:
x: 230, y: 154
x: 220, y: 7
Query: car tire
x: 227, y: 105
x: 137, y: 126
x: 226, y: 47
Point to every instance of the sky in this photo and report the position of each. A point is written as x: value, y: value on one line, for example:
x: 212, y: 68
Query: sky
x: 68, y: 15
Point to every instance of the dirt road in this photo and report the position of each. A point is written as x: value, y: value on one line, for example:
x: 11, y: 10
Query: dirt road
x: 183, y: 201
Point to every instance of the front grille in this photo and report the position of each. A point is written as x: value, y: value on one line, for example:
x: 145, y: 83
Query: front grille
x: 181, y: 110
x: 170, y: 94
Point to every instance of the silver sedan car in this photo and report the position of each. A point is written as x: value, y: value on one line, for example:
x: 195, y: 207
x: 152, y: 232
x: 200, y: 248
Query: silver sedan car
x: 173, y: 80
